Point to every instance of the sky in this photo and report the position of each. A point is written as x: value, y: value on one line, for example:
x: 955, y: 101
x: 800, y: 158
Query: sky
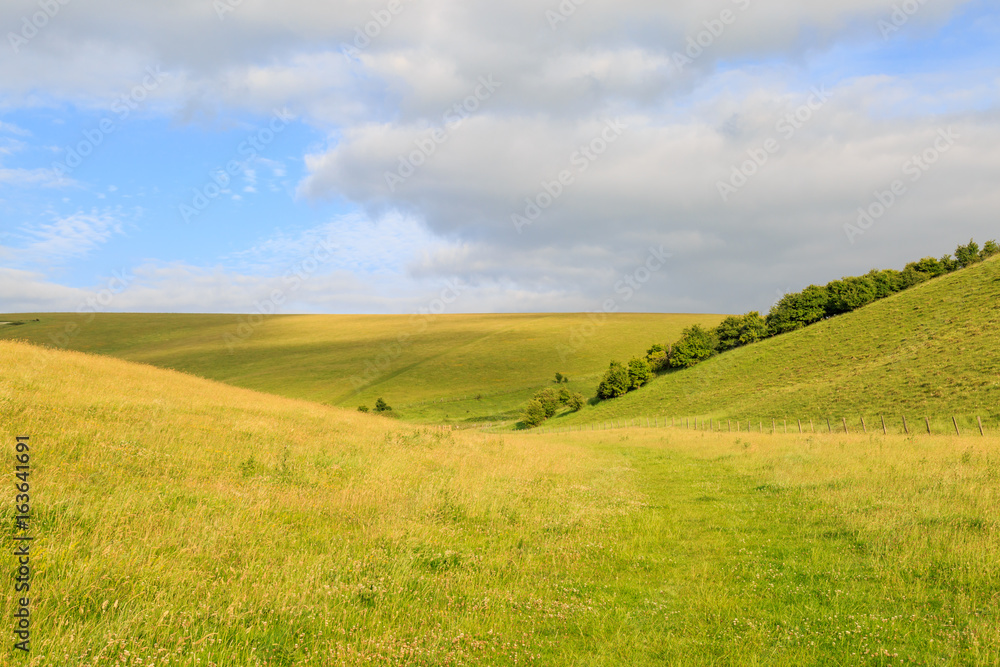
x: 400, y: 156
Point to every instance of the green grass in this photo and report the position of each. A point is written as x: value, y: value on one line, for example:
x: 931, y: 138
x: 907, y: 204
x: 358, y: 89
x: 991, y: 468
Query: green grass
x: 185, y: 522
x: 448, y: 368
x: 933, y: 350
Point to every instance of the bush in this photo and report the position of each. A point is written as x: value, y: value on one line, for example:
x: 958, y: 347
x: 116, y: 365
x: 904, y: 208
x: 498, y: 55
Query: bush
x: 656, y: 357
x: 549, y: 399
x: 382, y: 406
x: 576, y: 401
x: 614, y: 383
x: 696, y: 344
x: 564, y: 395
x: 849, y: 294
x: 534, y: 413
x: 362, y: 408
x: 559, y: 378
x: 639, y: 373
x: 990, y: 248
x: 797, y: 310
x: 738, y: 330
x: 967, y: 255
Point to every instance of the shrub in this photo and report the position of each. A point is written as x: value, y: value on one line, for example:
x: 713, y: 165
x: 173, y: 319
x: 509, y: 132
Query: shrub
x: 639, y: 373
x: 564, y: 395
x: 656, y: 357
x: 362, y: 408
x: 549, y: 399
x: 614, y: 383
x: 696, y: 344
x: 738, y: 330
x: 382, y: 406
x: 559, y: 378
x: 967, y: 255
x: 797, y: 310
x: 990, y: 248
x: 849, y: 294
x: 576, y: 401
x: 534, y: 413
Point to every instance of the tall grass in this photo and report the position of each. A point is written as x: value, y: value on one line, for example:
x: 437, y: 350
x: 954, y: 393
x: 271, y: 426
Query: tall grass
x: 183, y: 522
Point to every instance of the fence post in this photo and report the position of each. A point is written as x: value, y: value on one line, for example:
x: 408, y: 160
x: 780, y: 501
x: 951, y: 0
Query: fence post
x: 863, y: 426
x: 760, y: 425
x: 980, y: 420
x: 800, y: 425
x: 785, y: 423
x: 730, y: 425
x: 955, y: 422
x: 906, y: 428
x: 811, y: 427
x: 772, y: 426
x: 885, y: 431
x: 845, y: 424
x: 829, y: 427
x: 927, y: 421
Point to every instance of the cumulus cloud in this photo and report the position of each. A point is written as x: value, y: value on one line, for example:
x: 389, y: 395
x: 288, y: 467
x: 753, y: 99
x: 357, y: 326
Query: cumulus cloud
x: 606, y: 129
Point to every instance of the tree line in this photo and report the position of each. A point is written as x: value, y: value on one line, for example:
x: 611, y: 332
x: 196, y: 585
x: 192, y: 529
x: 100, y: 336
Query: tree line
x: 793, y: 311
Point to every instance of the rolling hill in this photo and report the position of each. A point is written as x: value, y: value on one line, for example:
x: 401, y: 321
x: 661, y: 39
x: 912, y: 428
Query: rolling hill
x: 932, y: 350
x: 181, y: 521
x: 439, y: 369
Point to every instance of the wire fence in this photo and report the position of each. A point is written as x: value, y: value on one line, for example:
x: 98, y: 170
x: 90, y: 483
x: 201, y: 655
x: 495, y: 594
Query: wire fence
x: 957, y: 425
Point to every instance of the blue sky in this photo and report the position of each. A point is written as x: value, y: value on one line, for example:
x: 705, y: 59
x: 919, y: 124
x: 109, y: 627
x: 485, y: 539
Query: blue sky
x: 159, y: 122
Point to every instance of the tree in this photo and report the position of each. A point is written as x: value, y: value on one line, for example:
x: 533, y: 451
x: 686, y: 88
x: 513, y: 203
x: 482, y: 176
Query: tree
x: 696, y: 345
x: 797, y: 310
x: 638, y: 373
x: 564, y: 395
x: 576, y: 401
x: 559, y: 378
x: 549, y: 399
x: 362, y: 408
x: 614, y: 383
x: 990, y: 248
x: 849, y: 294
x: 967, y: 255
x: 738, y: 330
x: 534, y: 413
x: 656, y: 357
x: 382, y: 406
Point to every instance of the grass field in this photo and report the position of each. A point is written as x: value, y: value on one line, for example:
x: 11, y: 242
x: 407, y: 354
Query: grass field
x: 447, y: 368
x: 185, y: 522
x: 933, y: 350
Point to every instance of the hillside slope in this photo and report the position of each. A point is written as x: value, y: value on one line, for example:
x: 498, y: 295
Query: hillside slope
x: 435, y: 374
x: 931, y: 350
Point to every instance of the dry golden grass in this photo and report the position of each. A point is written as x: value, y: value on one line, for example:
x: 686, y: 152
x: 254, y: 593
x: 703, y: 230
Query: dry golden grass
x: 184, y: 522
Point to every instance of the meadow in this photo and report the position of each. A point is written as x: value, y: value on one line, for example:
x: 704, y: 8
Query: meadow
x: 435, y: 369
x: 930, y: 351
x: 181, y: 521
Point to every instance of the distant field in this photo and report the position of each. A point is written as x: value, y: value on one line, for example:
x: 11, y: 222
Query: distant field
x: 184, y: 522
x: 448, y: 368
x: 933, y: 350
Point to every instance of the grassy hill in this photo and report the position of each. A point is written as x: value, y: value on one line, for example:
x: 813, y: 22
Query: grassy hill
x: 931, y: 350
x: 184, y: 522
x: 447, y: 368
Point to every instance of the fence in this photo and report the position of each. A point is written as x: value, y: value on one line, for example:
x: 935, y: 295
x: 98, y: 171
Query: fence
x: 898, y: 424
